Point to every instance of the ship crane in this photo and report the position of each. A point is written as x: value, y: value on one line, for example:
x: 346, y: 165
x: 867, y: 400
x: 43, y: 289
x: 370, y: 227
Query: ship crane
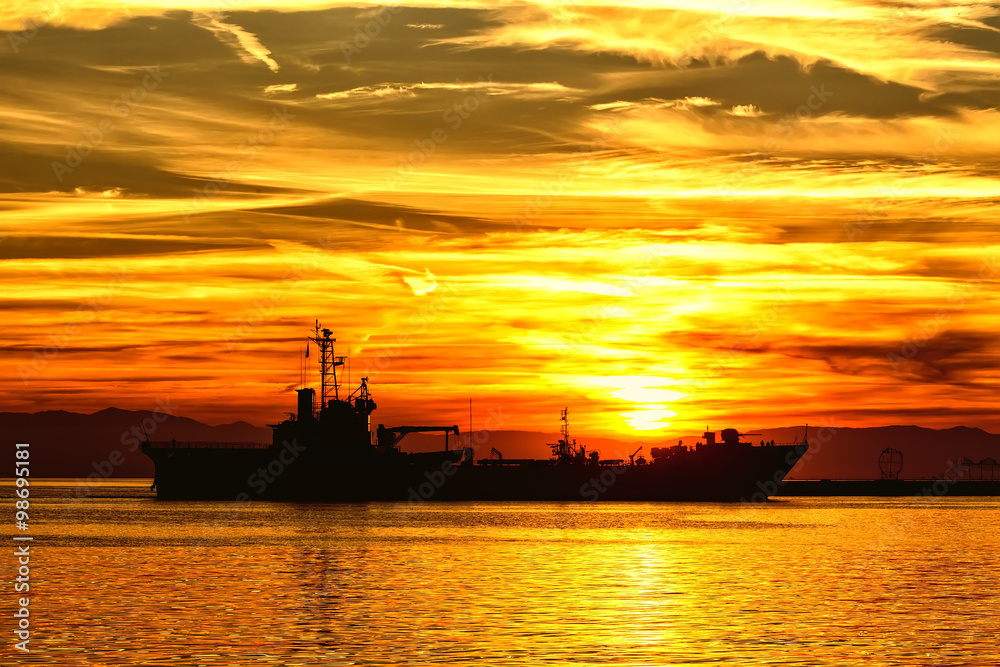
x: 631, y: 457
x: 390, y: 437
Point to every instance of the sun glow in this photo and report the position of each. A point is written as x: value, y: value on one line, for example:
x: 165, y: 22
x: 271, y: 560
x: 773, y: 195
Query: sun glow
x: 661, y: 214
x: 648, y: 417
x: 647, y: 398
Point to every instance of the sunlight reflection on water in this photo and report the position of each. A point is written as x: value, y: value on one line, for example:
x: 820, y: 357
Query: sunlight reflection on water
x: 122, y: 579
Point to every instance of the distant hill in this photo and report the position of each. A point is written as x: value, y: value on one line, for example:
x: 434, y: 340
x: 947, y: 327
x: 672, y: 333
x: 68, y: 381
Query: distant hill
x: 853, y: 453
x: 69, y: 444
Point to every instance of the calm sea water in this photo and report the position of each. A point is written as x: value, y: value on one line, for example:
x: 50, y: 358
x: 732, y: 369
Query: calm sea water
x: 119, y: 578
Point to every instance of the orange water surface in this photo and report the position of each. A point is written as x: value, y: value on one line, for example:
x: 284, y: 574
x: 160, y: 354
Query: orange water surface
x: 119, y: 578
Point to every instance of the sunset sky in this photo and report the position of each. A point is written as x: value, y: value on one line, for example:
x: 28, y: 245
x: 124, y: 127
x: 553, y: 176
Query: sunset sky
x: 660, y: 214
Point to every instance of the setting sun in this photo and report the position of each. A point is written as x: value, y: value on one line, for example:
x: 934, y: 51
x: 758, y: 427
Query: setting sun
x: 688, y: 311
x: 678, y: 214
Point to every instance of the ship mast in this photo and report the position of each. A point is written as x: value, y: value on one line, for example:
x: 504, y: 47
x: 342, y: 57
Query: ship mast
x: 327, y: 364
x: 565, y: 449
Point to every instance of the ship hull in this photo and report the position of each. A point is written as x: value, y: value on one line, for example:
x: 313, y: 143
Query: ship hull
x: 291, y: 473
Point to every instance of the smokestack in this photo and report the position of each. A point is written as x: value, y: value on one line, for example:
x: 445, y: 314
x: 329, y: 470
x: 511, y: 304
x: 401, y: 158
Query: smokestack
x: 306, y: 398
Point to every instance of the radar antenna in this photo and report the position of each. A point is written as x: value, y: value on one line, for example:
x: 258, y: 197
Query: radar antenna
x: 566, y: 448
x: 327, y: 364
x: 890, y: 463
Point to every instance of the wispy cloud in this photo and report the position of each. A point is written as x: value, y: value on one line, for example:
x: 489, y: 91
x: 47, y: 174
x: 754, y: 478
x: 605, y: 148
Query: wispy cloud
x: 244, y: 43
x: 709, y: 193
x: 891, y: 42
x: 366, y: 92
x: 488, y: 86
x: 281, y: 88
x: 745, y: 111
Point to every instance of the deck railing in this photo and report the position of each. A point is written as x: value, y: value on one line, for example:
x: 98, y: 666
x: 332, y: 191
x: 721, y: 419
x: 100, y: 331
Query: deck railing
x: 206, y: 444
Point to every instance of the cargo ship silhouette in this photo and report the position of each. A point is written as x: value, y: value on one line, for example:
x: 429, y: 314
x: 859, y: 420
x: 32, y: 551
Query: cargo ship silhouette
x: 331, y: 454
